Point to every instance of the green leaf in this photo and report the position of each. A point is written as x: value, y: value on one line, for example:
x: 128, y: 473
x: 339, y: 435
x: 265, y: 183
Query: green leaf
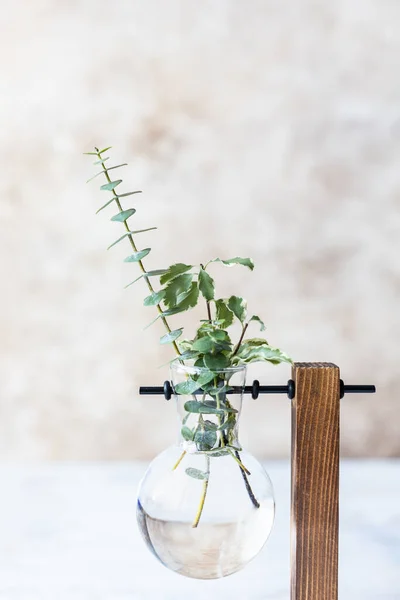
x: 106, y: 171
x: 105, y: 205
x: 177, y: 286
x: 254, y: 352
x: 136, y: 256
x: 190, y: 385
x: 111, y: 185
x: 170, y: 337
x: 262, y: 325
x: 104, y: 150
x: 215, y: 391
x: 196, y: 473
x: 238, y: 306
x: 187, y: 434
x: 216, y: 362
x: 101, y: 161
x: 186, y: 387
x: 230, y: 423
x: 128, y: 194
x: 123, y: 215
x: 205, y: 439
x: 190, y: 299
x: 154, y: 273
x: 223, y: 313
x: 210, y: 426
x: 246, y: 262
x: 175, y: 270
x: 188, y: 355
x: 218, y: 452
x: 211, y: 343
x: 204, y: 344
x: 206, y: 408
x: 206, y: 285
x: 154, y: 298
x: 129, y: 234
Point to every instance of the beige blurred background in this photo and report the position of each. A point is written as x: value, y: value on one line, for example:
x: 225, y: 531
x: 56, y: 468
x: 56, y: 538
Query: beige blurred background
x: 264, y: 129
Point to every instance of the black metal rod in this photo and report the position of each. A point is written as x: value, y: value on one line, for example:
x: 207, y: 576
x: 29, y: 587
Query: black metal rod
x: 257, y: 389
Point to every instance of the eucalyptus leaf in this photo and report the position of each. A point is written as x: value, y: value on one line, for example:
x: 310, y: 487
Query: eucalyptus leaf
x: 187, y: 434
x: 106, y: 171
x: 206, y: 285
x: 205, y: 408
x: 205, y: 438
x: 105, y: 205
x: 129, y: 233
x: 154, y: 298
x: 196, y: 473
x: 123, y: 215
x: 239, y: 307
x: 175, y: 270
x: 215, y: 391
x: 136, y: 256
x: 154, y: 273
x: 210, y: 426
x: 218, y: 452
x: 129, y: 194
x: 170, y: 337
x: 111, y: 185
x: 223, y: 313
x: 187, y: 387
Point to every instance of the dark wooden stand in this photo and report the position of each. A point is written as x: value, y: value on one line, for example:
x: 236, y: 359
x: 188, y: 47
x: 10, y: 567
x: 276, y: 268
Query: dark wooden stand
x: 315, y: 482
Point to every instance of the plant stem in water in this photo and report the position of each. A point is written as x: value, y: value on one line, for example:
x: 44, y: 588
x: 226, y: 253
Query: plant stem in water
x: 247, y: 484
x: 203, y: 495
x: 178, y: 462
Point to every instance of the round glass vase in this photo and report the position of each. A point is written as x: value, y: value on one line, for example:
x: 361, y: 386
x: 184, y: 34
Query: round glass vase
x: 205, y: 506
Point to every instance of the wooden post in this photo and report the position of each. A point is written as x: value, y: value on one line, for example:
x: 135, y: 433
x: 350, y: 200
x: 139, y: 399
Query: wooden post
x: 315, y: 482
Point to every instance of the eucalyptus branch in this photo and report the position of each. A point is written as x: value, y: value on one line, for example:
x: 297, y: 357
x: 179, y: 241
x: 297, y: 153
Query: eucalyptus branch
x: 134, y: 247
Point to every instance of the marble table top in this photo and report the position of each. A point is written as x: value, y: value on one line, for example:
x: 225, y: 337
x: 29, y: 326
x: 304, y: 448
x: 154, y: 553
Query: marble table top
x: 68, y: 531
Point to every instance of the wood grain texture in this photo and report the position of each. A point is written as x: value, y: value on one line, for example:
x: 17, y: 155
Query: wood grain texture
x: 315, y: 482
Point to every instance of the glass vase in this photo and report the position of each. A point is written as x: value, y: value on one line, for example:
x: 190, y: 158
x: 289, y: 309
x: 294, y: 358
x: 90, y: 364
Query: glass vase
x: 205, y: 506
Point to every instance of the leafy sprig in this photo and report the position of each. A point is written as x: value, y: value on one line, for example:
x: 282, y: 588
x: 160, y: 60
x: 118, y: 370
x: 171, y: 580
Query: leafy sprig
x: 181, y: 287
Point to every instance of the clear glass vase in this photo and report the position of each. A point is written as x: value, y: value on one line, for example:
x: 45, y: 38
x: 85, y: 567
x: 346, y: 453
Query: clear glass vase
x: 205, y: 506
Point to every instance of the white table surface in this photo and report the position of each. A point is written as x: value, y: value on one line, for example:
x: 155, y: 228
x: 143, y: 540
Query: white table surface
x: 68, y: 531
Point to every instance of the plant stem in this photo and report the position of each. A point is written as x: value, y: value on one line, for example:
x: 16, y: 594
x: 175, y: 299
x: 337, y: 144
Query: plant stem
x: 239, y: 462
x: 247, y: 484
x: 203, y: 495
x: 240, y: 339
x: 178, y: 462
x: 140, y: 262
x: 209, y: 310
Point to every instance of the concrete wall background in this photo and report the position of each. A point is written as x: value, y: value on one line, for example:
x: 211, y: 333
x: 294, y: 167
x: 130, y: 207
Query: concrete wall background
x: 264, y: 129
